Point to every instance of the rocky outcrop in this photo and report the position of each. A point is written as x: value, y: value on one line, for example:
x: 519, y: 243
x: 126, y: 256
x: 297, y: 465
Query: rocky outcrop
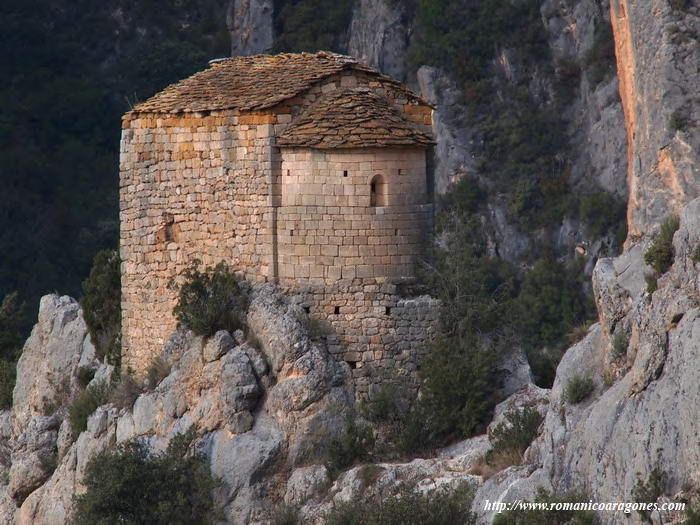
x: 657, y: 57
x: 259, y: 410
x: 641, y: 414
x: 250, y: 25
x: 379, y: 36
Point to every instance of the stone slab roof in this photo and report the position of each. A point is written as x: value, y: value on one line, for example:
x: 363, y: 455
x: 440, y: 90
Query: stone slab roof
x: 352, y: 118
x: 252, y: 82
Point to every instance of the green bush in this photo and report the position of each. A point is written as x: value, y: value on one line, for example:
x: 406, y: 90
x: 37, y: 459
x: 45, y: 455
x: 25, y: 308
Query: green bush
x: 692, y: 516
x: 159, y: 370
x: 356, y: 444
x: 578, y: 389
x: 619, y: 344
x: 124, y: 391
x: 101, y: 304
x: 285, y: 515
x: 600, y: 59
x: 679, y: 4
x: 695, y: 258
x: 551, y: 517
x: 652, y: 281
x: 85, y: 375
x: 660, y: 254
x: 409, y: 507
x: 131, y: 485
x: 8, y: 373
x: 12, y: 315
x: 458, y: 395
x: 209, y: 300
x: 649, y: 490
x: 85, y: 403
x: 551, y: 302
x: 603, y: 214
x: 679, y: 120
x: 516, y: 433
x: 384, y: 405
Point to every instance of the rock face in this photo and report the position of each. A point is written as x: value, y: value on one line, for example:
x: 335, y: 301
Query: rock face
x: 642, y: 413
x: 657, y: 57
x: 249, y: 23
x: 259, y: 410
x: 379, y: 36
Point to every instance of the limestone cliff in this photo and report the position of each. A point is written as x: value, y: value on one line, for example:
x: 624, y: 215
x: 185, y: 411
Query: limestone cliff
x: 249, y: 23
x: 656, y: 44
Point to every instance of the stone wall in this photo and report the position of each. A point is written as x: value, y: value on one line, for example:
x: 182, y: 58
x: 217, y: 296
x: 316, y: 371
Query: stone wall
x: 378, y: 326
x: 194, y: 187
x: 328, y: 228
x: 211, y: 186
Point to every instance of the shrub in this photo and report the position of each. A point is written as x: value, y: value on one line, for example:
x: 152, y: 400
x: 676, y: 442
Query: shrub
x: 354, y: 445
x: 285, y: 515
x: 679, y: 120
x: 159, y: 370
x: 384, y: 405
x: 649, y: 490
x: 85, y: 375
x: 460, y: 380
x: 679, y: 4
x: 8, y: 372
x: 660, y: 254
x: 695, y: 258
x: 652, y: 281
x: 600, y: 58
x: 209, y: 300
x: 101, y: 304
x: 129, y: 484
x: 85, y: 403
x: 692, y: 516
x: 578, y: 389
x: 125, y: 391
x: 603, y: 214
x: 12, y: 314
x: 440, y: 507
x: 513, y: 436
x: 555, y: 517
x: 551, y: 302
x: 619, y: 345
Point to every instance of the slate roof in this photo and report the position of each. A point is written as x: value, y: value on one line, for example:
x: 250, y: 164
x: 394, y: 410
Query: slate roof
x: 352, y: 118
x: 253, y: 82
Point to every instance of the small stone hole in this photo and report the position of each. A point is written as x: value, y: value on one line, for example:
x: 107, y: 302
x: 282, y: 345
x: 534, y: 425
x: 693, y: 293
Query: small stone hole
x: 387, y: 310
x: 337, y: 310
x: 345, y: 174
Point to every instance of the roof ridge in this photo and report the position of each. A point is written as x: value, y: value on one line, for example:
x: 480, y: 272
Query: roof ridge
x: 255, y: 82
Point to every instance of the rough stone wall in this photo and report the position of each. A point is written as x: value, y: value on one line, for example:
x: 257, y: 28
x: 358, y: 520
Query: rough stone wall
x: 374, y: 326
x: 208, y: 186
x: 192, y: 187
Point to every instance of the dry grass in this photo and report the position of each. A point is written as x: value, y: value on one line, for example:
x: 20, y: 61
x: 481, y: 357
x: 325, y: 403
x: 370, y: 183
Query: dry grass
x: 495, y: 463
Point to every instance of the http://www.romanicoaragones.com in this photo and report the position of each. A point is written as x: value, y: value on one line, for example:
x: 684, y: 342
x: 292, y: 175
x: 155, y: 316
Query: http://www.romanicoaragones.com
x: 627, y: 507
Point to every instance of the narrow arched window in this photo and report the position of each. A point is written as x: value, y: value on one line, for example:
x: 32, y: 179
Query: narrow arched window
x: 378, y: 194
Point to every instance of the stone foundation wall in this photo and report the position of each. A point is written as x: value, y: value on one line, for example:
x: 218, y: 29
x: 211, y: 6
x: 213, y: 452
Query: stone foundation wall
x: 374, y: 327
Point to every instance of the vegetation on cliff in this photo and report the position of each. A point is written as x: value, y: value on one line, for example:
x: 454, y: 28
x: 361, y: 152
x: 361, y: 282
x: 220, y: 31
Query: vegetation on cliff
x: 101, y: 304
x: 131, y: 484
x: 11, y: 340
